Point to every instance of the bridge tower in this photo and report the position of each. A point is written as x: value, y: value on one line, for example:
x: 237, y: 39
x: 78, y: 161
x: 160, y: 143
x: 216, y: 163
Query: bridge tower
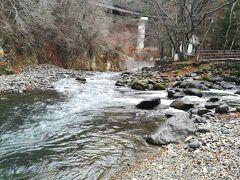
x: 141, y: 32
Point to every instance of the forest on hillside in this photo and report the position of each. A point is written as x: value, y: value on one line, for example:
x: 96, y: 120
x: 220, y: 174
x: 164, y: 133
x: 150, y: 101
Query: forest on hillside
x: 75, y: 33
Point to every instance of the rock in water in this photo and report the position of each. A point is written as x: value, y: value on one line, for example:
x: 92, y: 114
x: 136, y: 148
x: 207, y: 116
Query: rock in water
x: 193, y: 92
x: 182, y: 104
x: 119, y: 83
x: 237, y: 92
x: 171, y: 93
x: 213, y: 99
x: 80, y: 79
x: 139, y: 85
x: 149, y: 104
x: 174, y: 129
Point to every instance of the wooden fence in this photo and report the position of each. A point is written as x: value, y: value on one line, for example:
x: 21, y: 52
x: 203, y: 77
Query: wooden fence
x: 218, y: 55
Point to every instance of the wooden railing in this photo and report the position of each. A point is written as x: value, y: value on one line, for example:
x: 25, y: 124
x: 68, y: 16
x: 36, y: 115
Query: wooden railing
x: 218, y: 55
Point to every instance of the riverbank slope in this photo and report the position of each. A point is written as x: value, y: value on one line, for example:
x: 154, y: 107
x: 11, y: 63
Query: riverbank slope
x: 38, y: 77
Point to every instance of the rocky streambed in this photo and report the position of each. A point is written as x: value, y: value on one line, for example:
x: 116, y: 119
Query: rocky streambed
x: 199, y: 137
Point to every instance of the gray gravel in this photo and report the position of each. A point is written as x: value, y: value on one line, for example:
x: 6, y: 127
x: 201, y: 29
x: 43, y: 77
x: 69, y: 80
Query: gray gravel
x: 218, y: 156
x: 35, y: 78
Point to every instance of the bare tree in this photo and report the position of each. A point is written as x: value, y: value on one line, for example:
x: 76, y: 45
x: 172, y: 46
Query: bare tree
x: 182, y: 18
x: 234, y: 4
x: 71, y: 27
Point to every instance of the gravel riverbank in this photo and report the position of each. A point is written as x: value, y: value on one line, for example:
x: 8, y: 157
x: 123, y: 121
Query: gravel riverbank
x: 201, y: 141
x: 35, y: 78
x: 217, y: 158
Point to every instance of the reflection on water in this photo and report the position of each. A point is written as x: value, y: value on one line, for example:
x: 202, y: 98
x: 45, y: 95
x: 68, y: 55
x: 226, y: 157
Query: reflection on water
x: 78, y: 131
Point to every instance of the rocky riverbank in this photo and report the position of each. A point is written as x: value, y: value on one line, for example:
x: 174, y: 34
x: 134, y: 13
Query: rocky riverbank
x: 36, y: 78
x: 203, y: 77
x: 199, y: 135
x: 218, y: 156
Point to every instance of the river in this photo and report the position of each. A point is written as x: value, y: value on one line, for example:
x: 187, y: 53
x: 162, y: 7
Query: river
x: 76, y: 131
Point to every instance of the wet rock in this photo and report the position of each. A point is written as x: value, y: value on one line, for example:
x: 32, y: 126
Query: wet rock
x: 202, y: 87
x: 178, y: 95
x: 226, y: 85
x: 237, y: 92
x: 171, y: 93
x: 119, y: 83
x: 222, y: 109
x: 213, y: 99
x: 193, y: 92
x: 238, y: 109
x: 80, y: 79
x: 176, y: 84
x: 193, y: 84
x: 208, y: 84
x: 159, y: 86
x: 127, y: 73
x: 174, y: 129
x: 139, y: 85
x: 149, y: 104
x: 182, y: 104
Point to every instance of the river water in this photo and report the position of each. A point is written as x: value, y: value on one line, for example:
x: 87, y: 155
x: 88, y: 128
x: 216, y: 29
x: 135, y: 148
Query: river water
x: 77, y: 131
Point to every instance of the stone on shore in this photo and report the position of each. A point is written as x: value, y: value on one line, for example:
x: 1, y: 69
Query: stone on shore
x: 222, y: 109
x: 173, y: 130
x: 194, y: 144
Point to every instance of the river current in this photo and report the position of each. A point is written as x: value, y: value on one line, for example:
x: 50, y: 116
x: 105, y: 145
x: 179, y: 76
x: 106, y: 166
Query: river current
x: 76, y: 131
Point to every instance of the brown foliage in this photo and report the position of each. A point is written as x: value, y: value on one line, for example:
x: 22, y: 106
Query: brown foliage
x: 51, y: 31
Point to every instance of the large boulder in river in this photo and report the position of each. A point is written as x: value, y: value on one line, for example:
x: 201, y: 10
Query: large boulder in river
x: 139, y: 85
x: 182, y: 104
x: 193, y: 92
x: 175, y: 93
x: 237, y: 92
x: 149, y: 104
x: 173, y: 130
